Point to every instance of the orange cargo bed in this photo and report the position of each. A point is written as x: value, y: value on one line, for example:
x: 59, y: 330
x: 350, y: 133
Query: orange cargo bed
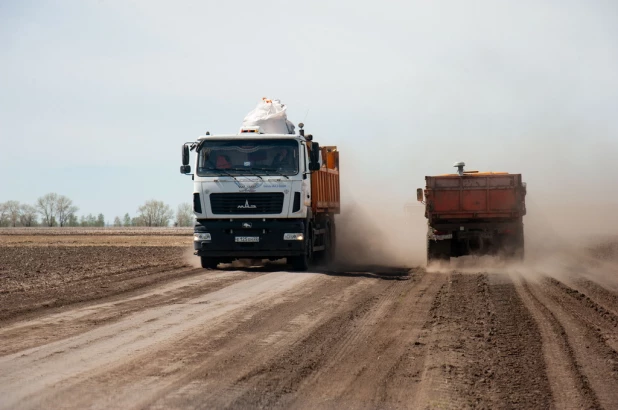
x: 325, y: 189
x: 473, y: 196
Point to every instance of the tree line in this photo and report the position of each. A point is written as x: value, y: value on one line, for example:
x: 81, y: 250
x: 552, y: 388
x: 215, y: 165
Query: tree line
x: 53, y: 210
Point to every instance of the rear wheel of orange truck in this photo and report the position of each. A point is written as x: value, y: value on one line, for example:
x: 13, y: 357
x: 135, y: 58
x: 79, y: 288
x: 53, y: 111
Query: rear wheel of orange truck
x: 518, y: 251
x: 438, y: 250
x: 514, y: 244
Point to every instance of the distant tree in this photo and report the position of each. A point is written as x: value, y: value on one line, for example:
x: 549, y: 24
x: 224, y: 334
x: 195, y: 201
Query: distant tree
x: 88, y: 220
x: 64, y: 210
x: 28, y: 215
x: 4, y: 214
x: 100, y: 220
x: 117, y: 221
x: 13, y: 210
x: 155, y: 213
x: 47, y: 207
x: 184, y: 215
x: 137, y: 221
x: 127, y: 220
x: 72, y: 221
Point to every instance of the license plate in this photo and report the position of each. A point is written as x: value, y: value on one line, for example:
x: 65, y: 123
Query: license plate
x: 247, y: 239
x: 439, y: 237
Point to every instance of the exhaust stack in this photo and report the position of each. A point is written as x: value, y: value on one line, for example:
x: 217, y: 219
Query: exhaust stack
x: 460, y: 167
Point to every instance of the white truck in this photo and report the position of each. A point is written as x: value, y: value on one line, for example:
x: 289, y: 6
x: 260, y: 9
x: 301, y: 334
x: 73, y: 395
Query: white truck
x: 263, y: 196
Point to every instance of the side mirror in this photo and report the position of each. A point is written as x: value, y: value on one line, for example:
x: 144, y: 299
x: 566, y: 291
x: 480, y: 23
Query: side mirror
x: 419, y: 194
x: 185, y: 169
x: 185, y: 155
x: 314, y: 157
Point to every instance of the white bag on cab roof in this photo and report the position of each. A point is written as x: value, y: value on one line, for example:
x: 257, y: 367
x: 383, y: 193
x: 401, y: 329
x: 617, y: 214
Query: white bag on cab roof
x: 270, y: 116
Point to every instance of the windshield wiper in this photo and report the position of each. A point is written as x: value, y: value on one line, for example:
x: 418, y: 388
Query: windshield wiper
x: 271, y: 170
x: 248, y: 170
x: 224, y: 171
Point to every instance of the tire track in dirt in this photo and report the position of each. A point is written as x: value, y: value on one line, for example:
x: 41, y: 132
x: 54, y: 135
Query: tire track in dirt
x: 484, y: 348
x: 204, y: 366
x: 588, y: 334
x: 570, y: 386
x: 364, y: 368
x: 275, y: 373
x: 29, y: 374
x: 598, y: 319
x: 517, y: 354
x: 602, y: 296
x: 605, y: 309
x: 323, y: 340
x: 79, y: 319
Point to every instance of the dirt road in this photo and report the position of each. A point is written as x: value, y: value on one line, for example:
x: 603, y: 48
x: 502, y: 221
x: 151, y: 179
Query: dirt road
x: 358, y: 340
x: 160, y: 333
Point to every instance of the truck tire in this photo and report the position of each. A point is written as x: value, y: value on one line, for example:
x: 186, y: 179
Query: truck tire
x: 326, y: 256
x: 438, y: 250
x: 518, y: 252
x: 301, y: 262
x: 515, y: 246
x: 208, y: 263
x: 329, y: 252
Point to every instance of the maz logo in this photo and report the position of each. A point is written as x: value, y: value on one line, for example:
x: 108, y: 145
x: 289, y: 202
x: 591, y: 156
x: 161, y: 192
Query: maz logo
x: 246, y: 205
x: 248, y: 184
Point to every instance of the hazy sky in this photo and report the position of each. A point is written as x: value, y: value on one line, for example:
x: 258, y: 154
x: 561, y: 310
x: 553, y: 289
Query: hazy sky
x: 97, y: 97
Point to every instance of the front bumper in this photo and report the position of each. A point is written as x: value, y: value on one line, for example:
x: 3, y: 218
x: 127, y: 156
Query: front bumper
x: 270, y: 233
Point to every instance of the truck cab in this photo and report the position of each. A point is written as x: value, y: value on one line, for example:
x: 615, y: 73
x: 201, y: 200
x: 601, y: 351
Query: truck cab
x: 253, y: 198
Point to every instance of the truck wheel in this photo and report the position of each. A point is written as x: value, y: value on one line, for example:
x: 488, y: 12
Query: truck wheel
x: 515, y: 246
x: 301, y: 263
x: 329, y: 246
x: 208, y: 263
x: 432, y: 255
x: 438, y: 250
x: 333, y: 242
x: 518, y: 253
x: 326, y: 256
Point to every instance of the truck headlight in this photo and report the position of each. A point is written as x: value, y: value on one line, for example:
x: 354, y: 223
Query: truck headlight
x: 293, y: 236
x: 202, y: 236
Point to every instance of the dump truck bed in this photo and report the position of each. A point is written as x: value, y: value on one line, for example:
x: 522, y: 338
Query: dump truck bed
x: 325, y: 188
x: 474, y: 196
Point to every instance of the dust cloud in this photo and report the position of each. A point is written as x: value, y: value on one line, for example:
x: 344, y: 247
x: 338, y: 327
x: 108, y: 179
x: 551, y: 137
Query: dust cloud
x: 561, y: 242
x: 190, y: 259
x: 569, y: 238
x: 513, y: 97
x: 384, y: 234
x: 575, y: 240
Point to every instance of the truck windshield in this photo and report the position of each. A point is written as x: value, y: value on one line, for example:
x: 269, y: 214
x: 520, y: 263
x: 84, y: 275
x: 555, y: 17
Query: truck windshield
x: 248, y: 157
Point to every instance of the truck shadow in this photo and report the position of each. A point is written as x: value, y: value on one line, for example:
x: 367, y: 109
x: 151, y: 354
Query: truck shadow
x: 365, y: 271
x: 369, y: 271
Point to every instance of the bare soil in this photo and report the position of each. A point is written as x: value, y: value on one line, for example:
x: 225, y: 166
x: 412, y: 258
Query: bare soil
x: 130, y: 323
x: 40, y: 270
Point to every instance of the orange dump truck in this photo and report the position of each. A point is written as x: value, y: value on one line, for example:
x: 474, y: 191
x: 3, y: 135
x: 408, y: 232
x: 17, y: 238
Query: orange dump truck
x: 473, y: 212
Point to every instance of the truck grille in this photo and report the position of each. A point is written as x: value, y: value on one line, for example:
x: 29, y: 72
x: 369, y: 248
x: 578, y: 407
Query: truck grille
x: 246, y: 203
